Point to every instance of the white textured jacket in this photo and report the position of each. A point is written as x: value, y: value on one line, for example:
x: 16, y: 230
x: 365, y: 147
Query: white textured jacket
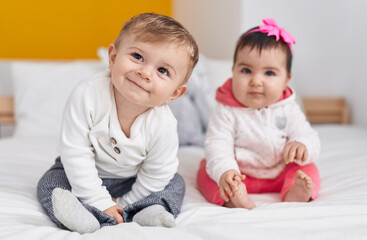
x: 252, y: 140
x: 93, y: 146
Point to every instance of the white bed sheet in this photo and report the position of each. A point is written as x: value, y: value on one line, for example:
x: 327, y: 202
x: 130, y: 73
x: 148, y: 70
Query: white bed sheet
x: 340, y: 211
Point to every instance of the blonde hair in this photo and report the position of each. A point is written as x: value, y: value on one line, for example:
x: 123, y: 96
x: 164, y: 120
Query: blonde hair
x: 155, y: 28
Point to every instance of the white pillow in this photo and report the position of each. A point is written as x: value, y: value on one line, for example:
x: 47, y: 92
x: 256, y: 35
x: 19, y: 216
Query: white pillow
x: 41, y: 89
x: 219, y: 70
x: 191, y: 110
x: 102, y: 53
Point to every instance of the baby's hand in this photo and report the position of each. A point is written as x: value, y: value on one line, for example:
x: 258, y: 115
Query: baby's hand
x: 116, y: 213
x: 294, y: 151
x: 228, y: 183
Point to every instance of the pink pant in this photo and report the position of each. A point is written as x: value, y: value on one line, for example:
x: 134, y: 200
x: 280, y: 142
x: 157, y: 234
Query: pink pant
x: 281, y: 184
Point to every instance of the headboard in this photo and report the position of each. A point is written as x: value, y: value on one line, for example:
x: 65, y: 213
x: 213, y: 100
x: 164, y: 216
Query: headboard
x: 326, y: 110
x: 317, y: 110
x: 7, y: 110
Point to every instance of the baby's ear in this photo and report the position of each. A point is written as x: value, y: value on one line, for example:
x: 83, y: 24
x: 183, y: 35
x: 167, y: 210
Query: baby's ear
x: 112, y: 52
x: 177, y: 93
x: 289, y: 77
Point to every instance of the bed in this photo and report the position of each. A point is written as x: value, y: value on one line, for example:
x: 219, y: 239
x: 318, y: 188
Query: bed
x: 340, y: 211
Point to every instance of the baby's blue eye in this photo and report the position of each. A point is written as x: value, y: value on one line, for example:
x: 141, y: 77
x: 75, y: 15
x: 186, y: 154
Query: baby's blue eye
x: 138, y: 56
x: 246, y: 70
x: 163, y: 70
x: 269, y: 73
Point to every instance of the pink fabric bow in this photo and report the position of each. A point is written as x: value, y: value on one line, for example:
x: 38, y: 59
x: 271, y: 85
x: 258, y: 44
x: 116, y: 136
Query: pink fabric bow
x: 271, y: 27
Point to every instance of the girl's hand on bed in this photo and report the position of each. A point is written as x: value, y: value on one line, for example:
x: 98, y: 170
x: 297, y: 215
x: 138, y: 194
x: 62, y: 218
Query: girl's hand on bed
x: 228, y: 183
x: 115, y: 212
x: 294, y: 151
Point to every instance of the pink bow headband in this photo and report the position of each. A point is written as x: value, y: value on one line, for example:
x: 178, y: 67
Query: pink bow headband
x: 271, y: 27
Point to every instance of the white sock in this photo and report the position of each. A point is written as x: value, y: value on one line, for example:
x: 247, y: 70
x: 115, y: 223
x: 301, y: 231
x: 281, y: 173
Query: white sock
x: 70, y: 212
x: 154, y: 216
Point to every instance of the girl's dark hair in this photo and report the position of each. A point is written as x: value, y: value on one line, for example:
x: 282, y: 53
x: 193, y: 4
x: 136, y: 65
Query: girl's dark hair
x: 262, y: 41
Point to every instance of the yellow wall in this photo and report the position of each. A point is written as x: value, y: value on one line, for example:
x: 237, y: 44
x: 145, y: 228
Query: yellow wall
x: 66, y: 29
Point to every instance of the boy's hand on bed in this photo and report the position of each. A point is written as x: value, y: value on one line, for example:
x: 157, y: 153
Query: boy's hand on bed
x: 228, y: 183
x: 116, y: 213
x: 294, y: 151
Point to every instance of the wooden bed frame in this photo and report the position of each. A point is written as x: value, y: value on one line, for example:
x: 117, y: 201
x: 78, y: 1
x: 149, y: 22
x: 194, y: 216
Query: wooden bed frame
x: 326, y: 110
x: 317, y: 110
x: 7, y: 110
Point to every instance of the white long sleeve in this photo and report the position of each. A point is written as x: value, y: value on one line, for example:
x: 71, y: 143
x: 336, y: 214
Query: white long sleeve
x: 160, y: 165
x: 220, y: 142
x: 252, y: 140
x: 301, y: 131
x: 92, y: 145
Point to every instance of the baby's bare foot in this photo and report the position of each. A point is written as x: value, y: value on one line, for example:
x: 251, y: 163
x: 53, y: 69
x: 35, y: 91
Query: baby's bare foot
x: 302, y: 189
x: 240, y: 198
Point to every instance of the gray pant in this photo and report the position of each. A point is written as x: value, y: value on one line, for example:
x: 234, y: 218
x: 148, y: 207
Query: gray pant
x: 170, y: 197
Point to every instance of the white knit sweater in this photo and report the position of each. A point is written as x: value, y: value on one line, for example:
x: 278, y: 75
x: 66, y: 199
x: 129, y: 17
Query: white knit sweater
x: 93, y: 146
x: 252, y: 140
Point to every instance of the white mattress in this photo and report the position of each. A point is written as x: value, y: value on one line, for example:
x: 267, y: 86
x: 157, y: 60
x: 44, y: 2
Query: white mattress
x: 340, y: 211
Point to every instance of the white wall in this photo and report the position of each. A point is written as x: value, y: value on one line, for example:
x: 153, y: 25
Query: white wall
x: 356, y: 80
x: 330, y: 52
x: 215, y: 24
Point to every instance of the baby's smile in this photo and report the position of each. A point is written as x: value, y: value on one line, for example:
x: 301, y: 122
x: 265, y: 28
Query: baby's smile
x: 137, y: 84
